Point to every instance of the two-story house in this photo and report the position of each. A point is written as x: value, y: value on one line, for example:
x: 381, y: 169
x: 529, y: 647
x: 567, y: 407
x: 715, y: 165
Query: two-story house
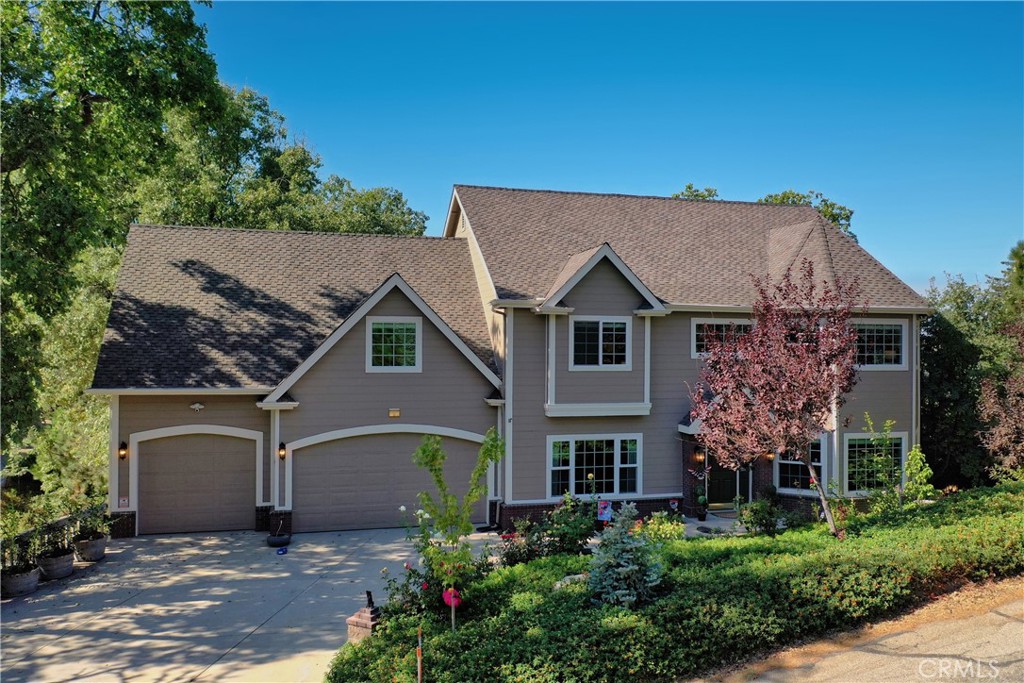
x: 258, y: 375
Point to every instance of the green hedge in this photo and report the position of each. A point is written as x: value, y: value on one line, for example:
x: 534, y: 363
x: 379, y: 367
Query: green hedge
x: 723, y: 599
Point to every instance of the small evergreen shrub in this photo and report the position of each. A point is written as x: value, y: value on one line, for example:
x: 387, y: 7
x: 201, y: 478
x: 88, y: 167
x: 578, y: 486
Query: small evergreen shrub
x: 760, y: 517
x: 623, y: 570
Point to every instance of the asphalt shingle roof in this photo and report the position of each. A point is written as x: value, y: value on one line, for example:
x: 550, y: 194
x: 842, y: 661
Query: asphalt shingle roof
x: 219, y: 308
x: 687, y: 252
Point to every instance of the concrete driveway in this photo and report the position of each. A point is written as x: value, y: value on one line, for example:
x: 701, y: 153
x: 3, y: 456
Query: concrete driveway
x: 210, y: 607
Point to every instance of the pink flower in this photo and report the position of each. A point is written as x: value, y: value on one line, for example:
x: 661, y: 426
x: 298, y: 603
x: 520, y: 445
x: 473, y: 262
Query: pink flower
x: 424, y: 586
x: 407, y: 566
x: 452, y: 598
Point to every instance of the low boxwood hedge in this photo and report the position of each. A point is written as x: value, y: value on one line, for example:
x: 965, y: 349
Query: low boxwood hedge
x: 722, y: 600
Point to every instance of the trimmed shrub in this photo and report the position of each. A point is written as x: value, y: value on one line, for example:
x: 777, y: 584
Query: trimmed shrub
x: 720, y: 600
x: 623, y: 571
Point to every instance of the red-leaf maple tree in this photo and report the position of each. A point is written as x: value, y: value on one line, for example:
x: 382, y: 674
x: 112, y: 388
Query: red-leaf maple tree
x: 777, y: 387
x: 1001, y: 405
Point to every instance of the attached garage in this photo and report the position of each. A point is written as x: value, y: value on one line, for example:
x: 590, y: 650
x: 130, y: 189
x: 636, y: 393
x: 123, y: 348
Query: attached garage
x: 360, y: 482
x: 196, y: 482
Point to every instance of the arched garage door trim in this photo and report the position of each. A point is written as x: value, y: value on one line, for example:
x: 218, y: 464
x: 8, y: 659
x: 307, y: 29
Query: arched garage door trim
x: 367, y: 430
x: 182, y: 430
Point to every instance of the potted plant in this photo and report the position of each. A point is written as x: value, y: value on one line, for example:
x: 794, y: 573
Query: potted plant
x: 278, y: 539
x: 93, y: 529
x: 19, y: 574
x: 57, y: 556
x: 700, y: 491
x: 702, y: 503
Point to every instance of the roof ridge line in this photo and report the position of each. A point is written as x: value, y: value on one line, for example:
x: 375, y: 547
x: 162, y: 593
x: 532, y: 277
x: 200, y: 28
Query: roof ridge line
x: 637, y: 196
x: 268, y: 231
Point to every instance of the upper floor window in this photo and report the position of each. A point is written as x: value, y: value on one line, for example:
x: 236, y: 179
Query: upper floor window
x: 600, y: 343
x: 792, y: 475
x: 608, y: 464
x: 704, y: 330
x: 393, y: 344
x: 881, y: 344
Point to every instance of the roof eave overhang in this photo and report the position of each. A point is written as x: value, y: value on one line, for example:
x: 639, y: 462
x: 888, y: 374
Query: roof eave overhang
x: 181, y: 391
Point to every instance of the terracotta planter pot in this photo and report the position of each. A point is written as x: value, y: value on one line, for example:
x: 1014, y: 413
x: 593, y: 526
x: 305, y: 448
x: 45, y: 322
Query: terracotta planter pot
x: 57, y: 567
x: 92, y: 550
x: 21, y: 583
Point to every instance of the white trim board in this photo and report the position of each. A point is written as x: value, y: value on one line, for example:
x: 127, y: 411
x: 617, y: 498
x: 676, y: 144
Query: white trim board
x: 595, y: 409
x: 183, y: 430
x: 393, y: 282
x: 605, y: 251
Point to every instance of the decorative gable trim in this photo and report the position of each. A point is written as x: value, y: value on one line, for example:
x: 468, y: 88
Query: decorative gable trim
x: 605, y: 251
x: 394, y: 282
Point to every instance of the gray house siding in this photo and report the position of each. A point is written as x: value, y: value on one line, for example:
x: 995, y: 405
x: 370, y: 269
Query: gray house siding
x: 338, y: 392
x: 139, y: 413
x: 603, y: 292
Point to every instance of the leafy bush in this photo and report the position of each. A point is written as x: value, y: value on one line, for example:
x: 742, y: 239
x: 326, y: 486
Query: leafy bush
x: 760, y: 517
x: 570, y: 525
x: 720, y: 600
x: 623, y: 571
x: 661, y: 528
x: 565, y: 530
x: 522, y: 545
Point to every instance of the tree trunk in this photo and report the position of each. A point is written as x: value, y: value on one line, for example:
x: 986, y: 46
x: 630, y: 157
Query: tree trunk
x: 825, y: 507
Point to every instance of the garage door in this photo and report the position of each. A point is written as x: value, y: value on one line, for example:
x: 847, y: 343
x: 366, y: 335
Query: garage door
x: 359, y: 483
x: 197, y: 482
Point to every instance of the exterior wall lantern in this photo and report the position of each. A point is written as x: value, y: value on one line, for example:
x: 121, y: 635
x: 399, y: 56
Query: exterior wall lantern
x: 122, y: 451
x: 281, y: 450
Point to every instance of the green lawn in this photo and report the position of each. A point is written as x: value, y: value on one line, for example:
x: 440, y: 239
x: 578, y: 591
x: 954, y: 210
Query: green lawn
x: 720, y: 601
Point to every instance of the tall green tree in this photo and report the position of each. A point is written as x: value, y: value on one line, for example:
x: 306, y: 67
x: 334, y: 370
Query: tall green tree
x: 691, y: 191
x: 84, y: 88
x: 833, y: 211
x: 967, y: 345
x: 241, y: 170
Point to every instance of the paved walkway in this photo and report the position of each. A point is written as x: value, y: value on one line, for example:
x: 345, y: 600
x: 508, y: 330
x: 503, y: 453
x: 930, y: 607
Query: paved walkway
x: 212, y: 607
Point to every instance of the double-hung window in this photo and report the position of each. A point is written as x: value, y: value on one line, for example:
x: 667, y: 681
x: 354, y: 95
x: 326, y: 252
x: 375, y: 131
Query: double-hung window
x: 606, y: 464
x: 600, y: 343
x: 792, y: 475
x: 873, y: 461
x: 704, y: 330
x: 394, y: 344
x: 881, y: 344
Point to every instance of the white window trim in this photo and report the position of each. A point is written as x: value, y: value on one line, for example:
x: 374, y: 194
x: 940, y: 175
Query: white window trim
x: 371, y: 319
x: 628, y: 366
x: 695, y: 322
x: 902, y: 365
x: 572, y: 438
x: 822, y: 472
x: 904, y: 440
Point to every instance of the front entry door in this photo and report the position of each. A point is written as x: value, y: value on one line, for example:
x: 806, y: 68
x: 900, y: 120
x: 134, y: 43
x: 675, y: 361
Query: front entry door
x: 726, y: 485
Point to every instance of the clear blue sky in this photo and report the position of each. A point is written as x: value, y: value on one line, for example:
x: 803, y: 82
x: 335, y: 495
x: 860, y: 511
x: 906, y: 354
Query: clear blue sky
x: 911, y: 114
